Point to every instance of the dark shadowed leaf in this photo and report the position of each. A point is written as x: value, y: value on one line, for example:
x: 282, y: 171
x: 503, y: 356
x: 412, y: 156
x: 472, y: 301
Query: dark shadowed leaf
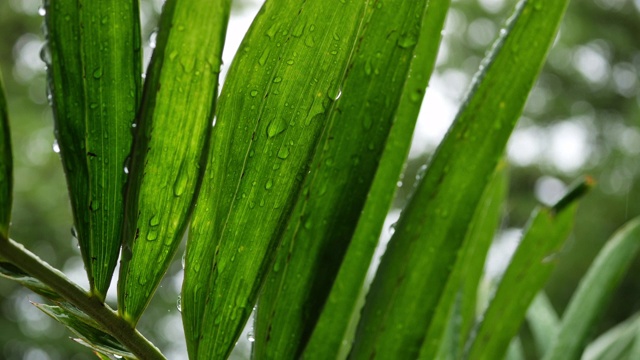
x: 594, y: 291
x: 387, y: 76
x: 414, y: 270
x: 93, y: 58
x: 6, y: 166
x: 172, y: 135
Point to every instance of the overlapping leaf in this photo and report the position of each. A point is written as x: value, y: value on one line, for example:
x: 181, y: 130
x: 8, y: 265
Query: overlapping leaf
x: 543, y: 322
x: 619, y: 342
x: 93, y: 58
x: 172, y: 135
x: 528, y: 271
x: 6, y: 166
x: 593, y: 292
x: 279, y: 93
x: 462, y: 287
x: 414, y: 270
x: 392, y: 45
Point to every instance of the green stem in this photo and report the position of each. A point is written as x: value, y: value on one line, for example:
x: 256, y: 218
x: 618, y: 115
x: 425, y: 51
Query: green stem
x: 99, y: 311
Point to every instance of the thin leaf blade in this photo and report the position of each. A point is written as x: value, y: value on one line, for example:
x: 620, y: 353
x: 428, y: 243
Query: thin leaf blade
x: 407, y: 287
x: 93, y: 52
x: 167, y: 162
x: 594, y: 291
x: 6, y: 166
x: 543, y: 322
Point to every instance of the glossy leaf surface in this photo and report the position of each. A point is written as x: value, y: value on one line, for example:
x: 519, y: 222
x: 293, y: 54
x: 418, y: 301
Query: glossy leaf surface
x: 279, y: 94
x: 414, y: 270
x: 386, y: 78
x: 172, y: 135
x: 93, y: 58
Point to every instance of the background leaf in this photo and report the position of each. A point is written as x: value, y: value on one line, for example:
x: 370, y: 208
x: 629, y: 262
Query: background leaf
x: 6, y: 166
x: 172, y: 136
x: 326, y: 212
x: 543, y: 322
x: 594, y: 291
x: 93, y: 57
x: 528, y: 271
x: 414, y: 270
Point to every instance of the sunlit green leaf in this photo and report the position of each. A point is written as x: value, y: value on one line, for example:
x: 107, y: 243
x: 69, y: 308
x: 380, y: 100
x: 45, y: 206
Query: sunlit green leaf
x: 528, y: 271
x: 594, y: 291
x: 414, y: 270
x: 93, y: 57
x: 172, y: 135
x: 87, y: 330
x: 6, y: 166
x: 279, y: 94
x: 393, y: 45
x: 462, y: 287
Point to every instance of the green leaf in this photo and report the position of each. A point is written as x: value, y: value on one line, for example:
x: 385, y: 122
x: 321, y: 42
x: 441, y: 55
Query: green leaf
x: 93, y: 57
x: 89, y: 332
x: 594, y: 291
x: 617, y: 343
x: 414, y: 270
x: 12, y: 272
x: 528, y: 271
x: 279, y: 94
x: 543, y: 322
x: 515, y: 350
x: 6, y: 166
x: 172, y: 135
x: 462, y: 287
x: 377, y: 88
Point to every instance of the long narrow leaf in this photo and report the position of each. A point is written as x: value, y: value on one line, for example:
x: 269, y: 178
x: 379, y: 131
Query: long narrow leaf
x: 414, y: 270
x: 327, y: 211
x: 617, y: 343
x: 543, y: 322
x: 6, y: 166
x: 174, y: 124
x: 462, y: 286
x: 279, y: 93
x: 93, y: 56
x: 528, y: 271
x: 594, y: 291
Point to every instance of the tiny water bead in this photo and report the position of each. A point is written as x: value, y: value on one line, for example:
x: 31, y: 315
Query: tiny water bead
x: 56, y: 147
x: 179, y: 303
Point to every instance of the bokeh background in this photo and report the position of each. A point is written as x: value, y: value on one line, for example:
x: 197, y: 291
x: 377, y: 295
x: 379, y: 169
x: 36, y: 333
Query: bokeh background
x: 581, y: 118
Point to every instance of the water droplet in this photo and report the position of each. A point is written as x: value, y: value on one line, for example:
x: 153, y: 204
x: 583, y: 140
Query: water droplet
x: 42, y: 11
x: 251, y: 337
x: 407, y: 40
x: 74, y: 232
x: 264, y: 57
x: 253, y: 93
x: 181, y: 181
x: 93, y: 105
x: 416, y: 95
x: 269, y: 184
x: 56, y: 147
x: 336, y: 37
x: 367, y: 67
x: 97, y: 73
x: 310, y: 41
x: 45, y: 54
x: 152, y: 235
x: 152, y: 39
x: 173, y: 55
x: 334, y: 94
x: 155, y: 220
x: 277, y: 79
x: 276, y: 127
x: 290, y: 62
x: 271, y: 32
x: 179, y: 303
x: 283, y: 153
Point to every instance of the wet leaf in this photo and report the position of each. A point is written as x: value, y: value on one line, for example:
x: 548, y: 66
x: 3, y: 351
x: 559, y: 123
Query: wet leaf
x: 377, y: 95
x: 172, y: 136
x: 93, y: 59
x: 414, y: 270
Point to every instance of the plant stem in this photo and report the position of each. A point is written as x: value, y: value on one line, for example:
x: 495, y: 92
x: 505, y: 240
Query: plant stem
x: 97, y: 310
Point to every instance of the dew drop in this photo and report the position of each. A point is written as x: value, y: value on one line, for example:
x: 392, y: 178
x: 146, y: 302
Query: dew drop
x: 277, y: 79
x: 97, y: 73
x: 407, y: 40
x: 254, y: 93
x: 251, y: 337
x: 155, y: 220
x: 276, y: 127
x: 269, y: 184
x: 42, y: 11
x: 179, y: 303
x: 56, y: 147
x: 152, y: 39
x: 283, y: 153
x: 180, y: 184
x: 152, y: 235
x: 45, y: 54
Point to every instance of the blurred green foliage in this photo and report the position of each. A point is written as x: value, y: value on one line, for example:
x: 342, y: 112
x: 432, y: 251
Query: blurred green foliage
x: 582, y: 117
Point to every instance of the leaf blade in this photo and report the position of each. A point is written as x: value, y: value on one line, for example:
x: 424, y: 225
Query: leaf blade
x: 181, y: 88
x: 6, y: 166
x: 94, y: 78
x: 594, y: 290
x: 396, y: 315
